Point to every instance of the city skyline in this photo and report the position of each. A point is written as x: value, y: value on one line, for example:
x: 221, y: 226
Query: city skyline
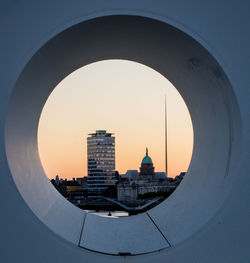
x: 125, y: 98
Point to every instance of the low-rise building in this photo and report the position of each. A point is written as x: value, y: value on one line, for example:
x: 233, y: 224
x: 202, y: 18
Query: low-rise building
x: 147, y: 181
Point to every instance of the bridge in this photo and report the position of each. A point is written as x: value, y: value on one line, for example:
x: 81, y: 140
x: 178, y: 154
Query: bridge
x: 137, y: 209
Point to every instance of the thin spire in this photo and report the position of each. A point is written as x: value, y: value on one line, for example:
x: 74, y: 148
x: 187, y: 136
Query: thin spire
x: 166, y: 138
x: 146, y: 151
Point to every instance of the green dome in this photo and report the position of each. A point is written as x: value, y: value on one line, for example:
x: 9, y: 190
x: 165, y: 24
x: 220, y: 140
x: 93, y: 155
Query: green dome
x: 146, y: 159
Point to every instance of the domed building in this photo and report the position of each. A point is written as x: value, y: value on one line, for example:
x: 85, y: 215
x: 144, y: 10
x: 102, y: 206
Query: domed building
x: 147, y: 170
x: 147, y: 181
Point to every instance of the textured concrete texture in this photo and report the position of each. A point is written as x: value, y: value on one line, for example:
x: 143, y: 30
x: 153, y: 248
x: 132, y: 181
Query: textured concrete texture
x: 203, y: 49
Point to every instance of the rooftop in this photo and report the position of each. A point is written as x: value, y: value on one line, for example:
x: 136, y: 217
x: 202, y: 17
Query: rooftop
x: 101, y: 133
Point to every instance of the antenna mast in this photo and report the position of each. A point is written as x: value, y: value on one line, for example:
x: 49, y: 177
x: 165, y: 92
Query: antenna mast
x: 166, y: 138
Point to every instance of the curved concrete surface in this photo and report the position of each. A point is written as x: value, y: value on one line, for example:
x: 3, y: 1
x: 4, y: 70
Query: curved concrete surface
x: 203, y: 51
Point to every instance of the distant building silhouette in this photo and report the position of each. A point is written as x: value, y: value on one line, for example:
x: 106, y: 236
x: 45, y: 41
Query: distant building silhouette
x: 132, y: 185
x: 101, y: 163
x: 74, y: 190
x: 147, y: 170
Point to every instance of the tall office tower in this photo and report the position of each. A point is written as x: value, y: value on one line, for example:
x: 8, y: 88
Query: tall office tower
x: 101, y: 163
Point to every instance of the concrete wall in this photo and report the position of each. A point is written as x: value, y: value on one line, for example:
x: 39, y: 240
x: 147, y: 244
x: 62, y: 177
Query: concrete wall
x: 203, y: 49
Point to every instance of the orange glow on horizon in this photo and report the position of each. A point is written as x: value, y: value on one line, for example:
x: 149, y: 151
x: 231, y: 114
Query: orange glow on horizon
x: 122, y: 97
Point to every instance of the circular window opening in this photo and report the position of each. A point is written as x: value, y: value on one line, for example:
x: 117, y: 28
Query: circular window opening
x: 106, y: 137
x: 215, y: 117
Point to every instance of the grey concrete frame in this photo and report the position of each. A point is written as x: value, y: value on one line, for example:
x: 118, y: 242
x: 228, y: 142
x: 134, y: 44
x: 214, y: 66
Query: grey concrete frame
x: 208, y: 95
x: 194, y: 217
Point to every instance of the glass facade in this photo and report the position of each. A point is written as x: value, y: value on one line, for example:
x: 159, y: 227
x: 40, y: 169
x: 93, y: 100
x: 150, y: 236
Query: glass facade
x: 101, y: 163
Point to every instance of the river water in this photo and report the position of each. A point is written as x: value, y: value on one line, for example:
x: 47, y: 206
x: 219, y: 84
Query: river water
x: 105, y: 213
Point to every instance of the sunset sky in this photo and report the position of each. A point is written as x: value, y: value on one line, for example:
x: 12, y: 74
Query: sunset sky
x: 122, y: 97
